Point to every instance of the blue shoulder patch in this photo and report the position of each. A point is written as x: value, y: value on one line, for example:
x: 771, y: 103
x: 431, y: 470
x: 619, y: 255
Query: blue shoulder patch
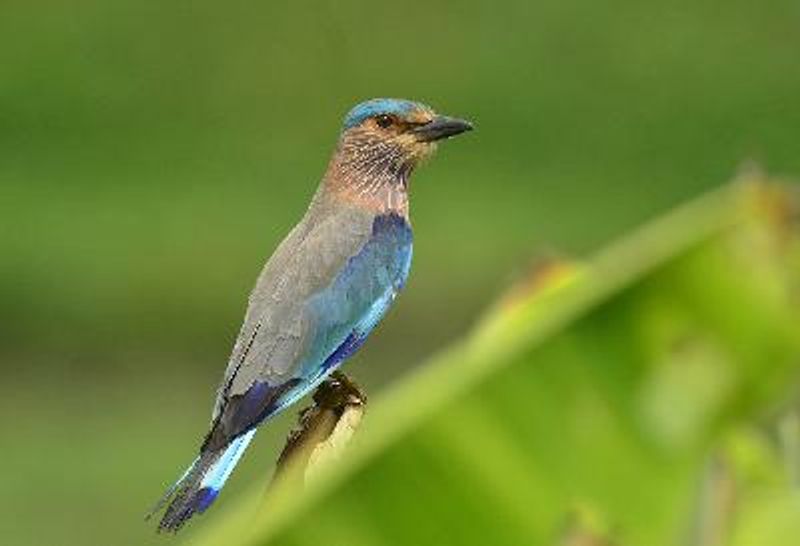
x: 374, y: 107
x: 360, y: 295
x: 391, y: 243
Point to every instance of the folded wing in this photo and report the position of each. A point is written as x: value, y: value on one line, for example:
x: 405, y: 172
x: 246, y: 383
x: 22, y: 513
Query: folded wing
x: 316, y: 301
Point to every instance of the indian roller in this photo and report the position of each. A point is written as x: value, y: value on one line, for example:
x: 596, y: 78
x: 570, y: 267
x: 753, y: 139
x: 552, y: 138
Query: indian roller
x: 325, y: 288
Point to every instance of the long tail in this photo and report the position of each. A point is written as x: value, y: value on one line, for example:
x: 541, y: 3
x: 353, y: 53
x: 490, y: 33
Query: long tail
x: 194, y: 492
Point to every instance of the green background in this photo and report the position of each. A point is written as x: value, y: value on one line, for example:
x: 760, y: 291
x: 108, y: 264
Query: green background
x: 152, y: 155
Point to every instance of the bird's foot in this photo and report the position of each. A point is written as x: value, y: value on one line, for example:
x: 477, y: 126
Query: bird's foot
x: 324, y: 428
x: 339, y: 391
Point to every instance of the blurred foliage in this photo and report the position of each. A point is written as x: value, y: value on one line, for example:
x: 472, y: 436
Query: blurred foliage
x: 153, y: 154
x: 642, y: 398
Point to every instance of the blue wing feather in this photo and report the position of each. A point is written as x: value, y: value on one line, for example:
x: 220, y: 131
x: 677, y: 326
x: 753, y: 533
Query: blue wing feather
x: 345, y: 312
x: 358, y: 298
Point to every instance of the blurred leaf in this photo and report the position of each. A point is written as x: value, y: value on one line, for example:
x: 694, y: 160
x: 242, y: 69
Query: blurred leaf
x: 599, y: 390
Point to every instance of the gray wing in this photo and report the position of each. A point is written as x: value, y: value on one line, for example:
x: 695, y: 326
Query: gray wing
x: 277, y: 327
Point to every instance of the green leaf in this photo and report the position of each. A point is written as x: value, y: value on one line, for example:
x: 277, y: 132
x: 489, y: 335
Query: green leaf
x: 585, y: 407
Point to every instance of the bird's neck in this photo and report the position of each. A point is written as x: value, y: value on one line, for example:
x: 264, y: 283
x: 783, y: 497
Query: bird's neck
x: 379, y: 186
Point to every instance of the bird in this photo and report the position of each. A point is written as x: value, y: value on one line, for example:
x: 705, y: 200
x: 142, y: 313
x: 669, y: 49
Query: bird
x: 324, y: 289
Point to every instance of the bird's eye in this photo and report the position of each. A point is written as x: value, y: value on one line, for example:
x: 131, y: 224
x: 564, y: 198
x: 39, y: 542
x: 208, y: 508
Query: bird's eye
x: 384, y: 121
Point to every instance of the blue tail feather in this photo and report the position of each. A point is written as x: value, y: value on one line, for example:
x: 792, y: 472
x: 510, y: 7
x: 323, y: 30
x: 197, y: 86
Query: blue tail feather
x: 200, y: 484
x: 216, y: 476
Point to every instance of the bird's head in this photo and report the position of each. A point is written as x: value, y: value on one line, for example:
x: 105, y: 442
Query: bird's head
x: 394, y: 134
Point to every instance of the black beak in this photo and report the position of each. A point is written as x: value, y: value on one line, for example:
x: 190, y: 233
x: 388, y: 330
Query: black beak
x: 441, y: 127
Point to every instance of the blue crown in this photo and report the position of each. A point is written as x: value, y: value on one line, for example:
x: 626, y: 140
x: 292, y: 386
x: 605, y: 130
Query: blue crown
x: 374, y: 107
